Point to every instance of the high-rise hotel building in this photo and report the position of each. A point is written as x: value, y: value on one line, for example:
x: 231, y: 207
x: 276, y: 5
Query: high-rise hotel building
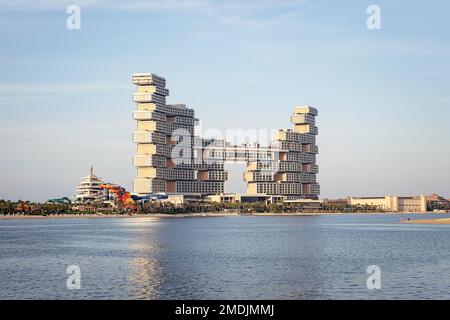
x: 162, y: 166
x: 170, y: 158
x: 292, y: 172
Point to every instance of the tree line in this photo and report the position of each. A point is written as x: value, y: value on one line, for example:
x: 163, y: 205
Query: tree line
x: 30, y: 208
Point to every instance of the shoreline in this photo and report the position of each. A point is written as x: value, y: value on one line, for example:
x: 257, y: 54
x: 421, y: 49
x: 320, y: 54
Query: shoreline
x: 428, y: 221
x: 222, y: 214
x: 105, y: 216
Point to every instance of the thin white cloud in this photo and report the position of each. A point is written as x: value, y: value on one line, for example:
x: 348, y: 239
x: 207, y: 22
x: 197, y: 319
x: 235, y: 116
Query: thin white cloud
x: 108, y: 4
x: 8, y: 88
x: 277, y: 20
x: 404, y: 47
x: 231, y: 12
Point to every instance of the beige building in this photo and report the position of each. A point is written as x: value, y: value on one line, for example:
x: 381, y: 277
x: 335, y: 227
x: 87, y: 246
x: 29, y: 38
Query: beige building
x: 437, y: 202
x: 335, y: 203
x: 292, y: 171
x: 180, y: 199
x: 165, y: 143
x: 306, y: 204
x: 89, y: 189
x: 167, y: 151
x: 392, y: 203
x: 245, y: 198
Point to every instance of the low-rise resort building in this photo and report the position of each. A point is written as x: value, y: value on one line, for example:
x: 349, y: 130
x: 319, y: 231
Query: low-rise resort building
x: 89, y: 189
x: 392, y: 203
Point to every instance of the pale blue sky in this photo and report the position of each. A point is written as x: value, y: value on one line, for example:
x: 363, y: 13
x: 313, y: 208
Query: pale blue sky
x: 383, y: 96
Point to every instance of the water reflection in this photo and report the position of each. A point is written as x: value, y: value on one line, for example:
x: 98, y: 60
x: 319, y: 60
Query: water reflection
x: 322, y: 257
x: 146, y: 273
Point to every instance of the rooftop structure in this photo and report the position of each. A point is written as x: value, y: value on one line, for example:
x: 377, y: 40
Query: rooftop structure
x: 89, y: 189
x: 437, y: 202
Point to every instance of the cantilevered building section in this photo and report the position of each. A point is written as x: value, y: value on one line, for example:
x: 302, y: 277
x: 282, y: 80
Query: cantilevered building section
x: 293, y: 173
x: 165, y: 157
x: 171, y: 159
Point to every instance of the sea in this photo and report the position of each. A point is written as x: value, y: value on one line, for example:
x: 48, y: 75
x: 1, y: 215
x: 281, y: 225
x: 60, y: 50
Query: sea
x: 366, y: 256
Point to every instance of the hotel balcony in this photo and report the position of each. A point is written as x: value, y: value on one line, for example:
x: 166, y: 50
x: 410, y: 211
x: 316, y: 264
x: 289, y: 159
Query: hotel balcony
x: 303, y: 119
x: 314, y: 188
x: 148, y: 115
x: 142, y: 97
x: 305, y: 110
x: 180, y: 110
x: 314, y: 149
x: 314, y: 168
x: 259, y: 177
x: 150, y: 161
x: 306, y: 128
x: 188, y: 121
x: 144, y: 161
x: 148, y: 97
x: 142, y: 79
x: 162, y: 91
x: 146, y: 186
x: 149, y: 137
x: 153, y: 89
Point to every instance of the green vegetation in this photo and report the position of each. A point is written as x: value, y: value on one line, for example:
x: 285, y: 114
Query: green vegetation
x: 351, y: 209
x: 432, y: 206
x: 30, y: 208
x: 44, y: 209
x: 246, y: 208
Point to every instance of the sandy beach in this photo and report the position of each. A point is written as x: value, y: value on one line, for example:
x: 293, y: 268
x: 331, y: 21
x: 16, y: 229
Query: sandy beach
x: 139, y: 216
x: 428, y: 221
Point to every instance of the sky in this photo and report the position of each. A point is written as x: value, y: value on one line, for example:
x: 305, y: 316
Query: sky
x: 383, y: 95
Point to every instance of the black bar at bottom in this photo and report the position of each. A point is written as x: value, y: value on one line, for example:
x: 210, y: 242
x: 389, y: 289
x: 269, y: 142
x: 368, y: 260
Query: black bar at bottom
x: 221, y: 309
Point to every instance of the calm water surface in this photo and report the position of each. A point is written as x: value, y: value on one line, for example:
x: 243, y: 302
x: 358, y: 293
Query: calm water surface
x: 321, y: 257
